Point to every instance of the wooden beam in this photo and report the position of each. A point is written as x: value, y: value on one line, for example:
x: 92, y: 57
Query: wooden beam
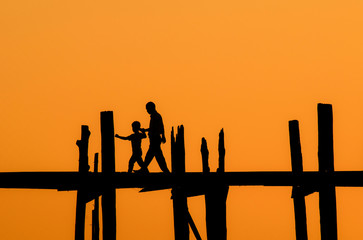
x: 327, y: 196
x: 297, y: 193
x: 108, y: 169
x: 71, y: 181
x: 82, y: 192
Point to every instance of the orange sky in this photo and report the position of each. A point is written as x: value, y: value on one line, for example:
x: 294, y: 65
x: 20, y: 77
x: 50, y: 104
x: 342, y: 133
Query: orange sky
x: 246, y: 66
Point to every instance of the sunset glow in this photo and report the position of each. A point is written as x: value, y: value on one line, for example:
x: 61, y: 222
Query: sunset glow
x: 246, y: 66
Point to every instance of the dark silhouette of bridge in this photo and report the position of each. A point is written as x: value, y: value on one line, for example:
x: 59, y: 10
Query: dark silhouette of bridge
x: 213, y: 185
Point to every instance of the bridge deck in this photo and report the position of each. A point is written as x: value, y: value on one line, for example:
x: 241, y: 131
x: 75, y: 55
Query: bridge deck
x: 75, y: 180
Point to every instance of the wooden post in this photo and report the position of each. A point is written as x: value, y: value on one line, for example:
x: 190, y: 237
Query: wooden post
x: 107, y: 142
x: 178, y: 151
x: 81, y: 194
x: 180, y: 204
x: 80, y: 215
x: 297, y: 193
x: 221, y: 151
x: 327, y: 197
x: 108, y: 169
x: 82, y: 144
x: 205, y: 156
x: 215, y: 200
x: 95, y: 211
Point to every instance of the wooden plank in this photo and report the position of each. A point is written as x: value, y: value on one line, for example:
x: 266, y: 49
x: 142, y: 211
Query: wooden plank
x: 197, y: 179
x: 71, y: 181
x: 81, y: 194
x: 297, y: 169
x: 180, y: 204
x: 327, y: 196
x: 108, y: 169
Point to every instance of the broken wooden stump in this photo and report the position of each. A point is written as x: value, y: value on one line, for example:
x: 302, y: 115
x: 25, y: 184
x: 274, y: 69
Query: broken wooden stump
x: 216, y: 195
x: 205, y: 156
x: 82, y: 192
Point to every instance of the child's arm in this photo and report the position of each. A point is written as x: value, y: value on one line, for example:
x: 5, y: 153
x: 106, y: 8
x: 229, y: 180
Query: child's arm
x: 143, y: 135
x: 123, y: 138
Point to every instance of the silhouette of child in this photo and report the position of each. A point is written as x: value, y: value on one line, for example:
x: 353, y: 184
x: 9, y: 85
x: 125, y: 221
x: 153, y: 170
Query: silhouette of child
x: 135, y: 139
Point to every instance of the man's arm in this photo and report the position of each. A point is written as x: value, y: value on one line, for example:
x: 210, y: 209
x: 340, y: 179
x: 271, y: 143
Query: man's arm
x: 143, y: 135
x: 163, y: 139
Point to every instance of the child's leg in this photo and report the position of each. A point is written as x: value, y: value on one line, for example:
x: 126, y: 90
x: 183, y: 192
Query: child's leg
x: 161, y: 160
x: 131, y: 163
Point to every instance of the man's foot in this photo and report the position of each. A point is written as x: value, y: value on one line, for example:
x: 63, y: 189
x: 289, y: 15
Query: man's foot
x: 142, y: 170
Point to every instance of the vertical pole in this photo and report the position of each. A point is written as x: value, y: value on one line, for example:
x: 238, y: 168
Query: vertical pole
x: 178, y: 152
x: 107, y: 142
x: 180, y: 204
x: 297, y: 193
x: 81, y: 193
x: 108, y: 169
x: 95, y: 212
x: 221, y: 151
x: 82, y: 144
x: 215, y: 201
x: 327, y: 197
x: 205, y: 156
x: 208, y: 191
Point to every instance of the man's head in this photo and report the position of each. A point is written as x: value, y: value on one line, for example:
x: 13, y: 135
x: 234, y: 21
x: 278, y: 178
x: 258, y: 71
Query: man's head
x: 136, y: 126
x: 150, y: 107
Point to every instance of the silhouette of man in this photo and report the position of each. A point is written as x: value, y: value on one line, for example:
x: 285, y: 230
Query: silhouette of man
x: 156, y: 137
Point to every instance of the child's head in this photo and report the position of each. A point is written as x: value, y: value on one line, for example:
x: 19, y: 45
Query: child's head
x: 136, y: 126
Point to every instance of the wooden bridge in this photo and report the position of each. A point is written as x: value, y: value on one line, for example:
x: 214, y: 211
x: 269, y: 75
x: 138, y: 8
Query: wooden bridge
x: 214, y: 185
x: 72, y: 181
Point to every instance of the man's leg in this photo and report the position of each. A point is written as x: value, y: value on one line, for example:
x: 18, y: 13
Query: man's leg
x: 140, y: 161
x: 149, y: 156
x: 161, y: 160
